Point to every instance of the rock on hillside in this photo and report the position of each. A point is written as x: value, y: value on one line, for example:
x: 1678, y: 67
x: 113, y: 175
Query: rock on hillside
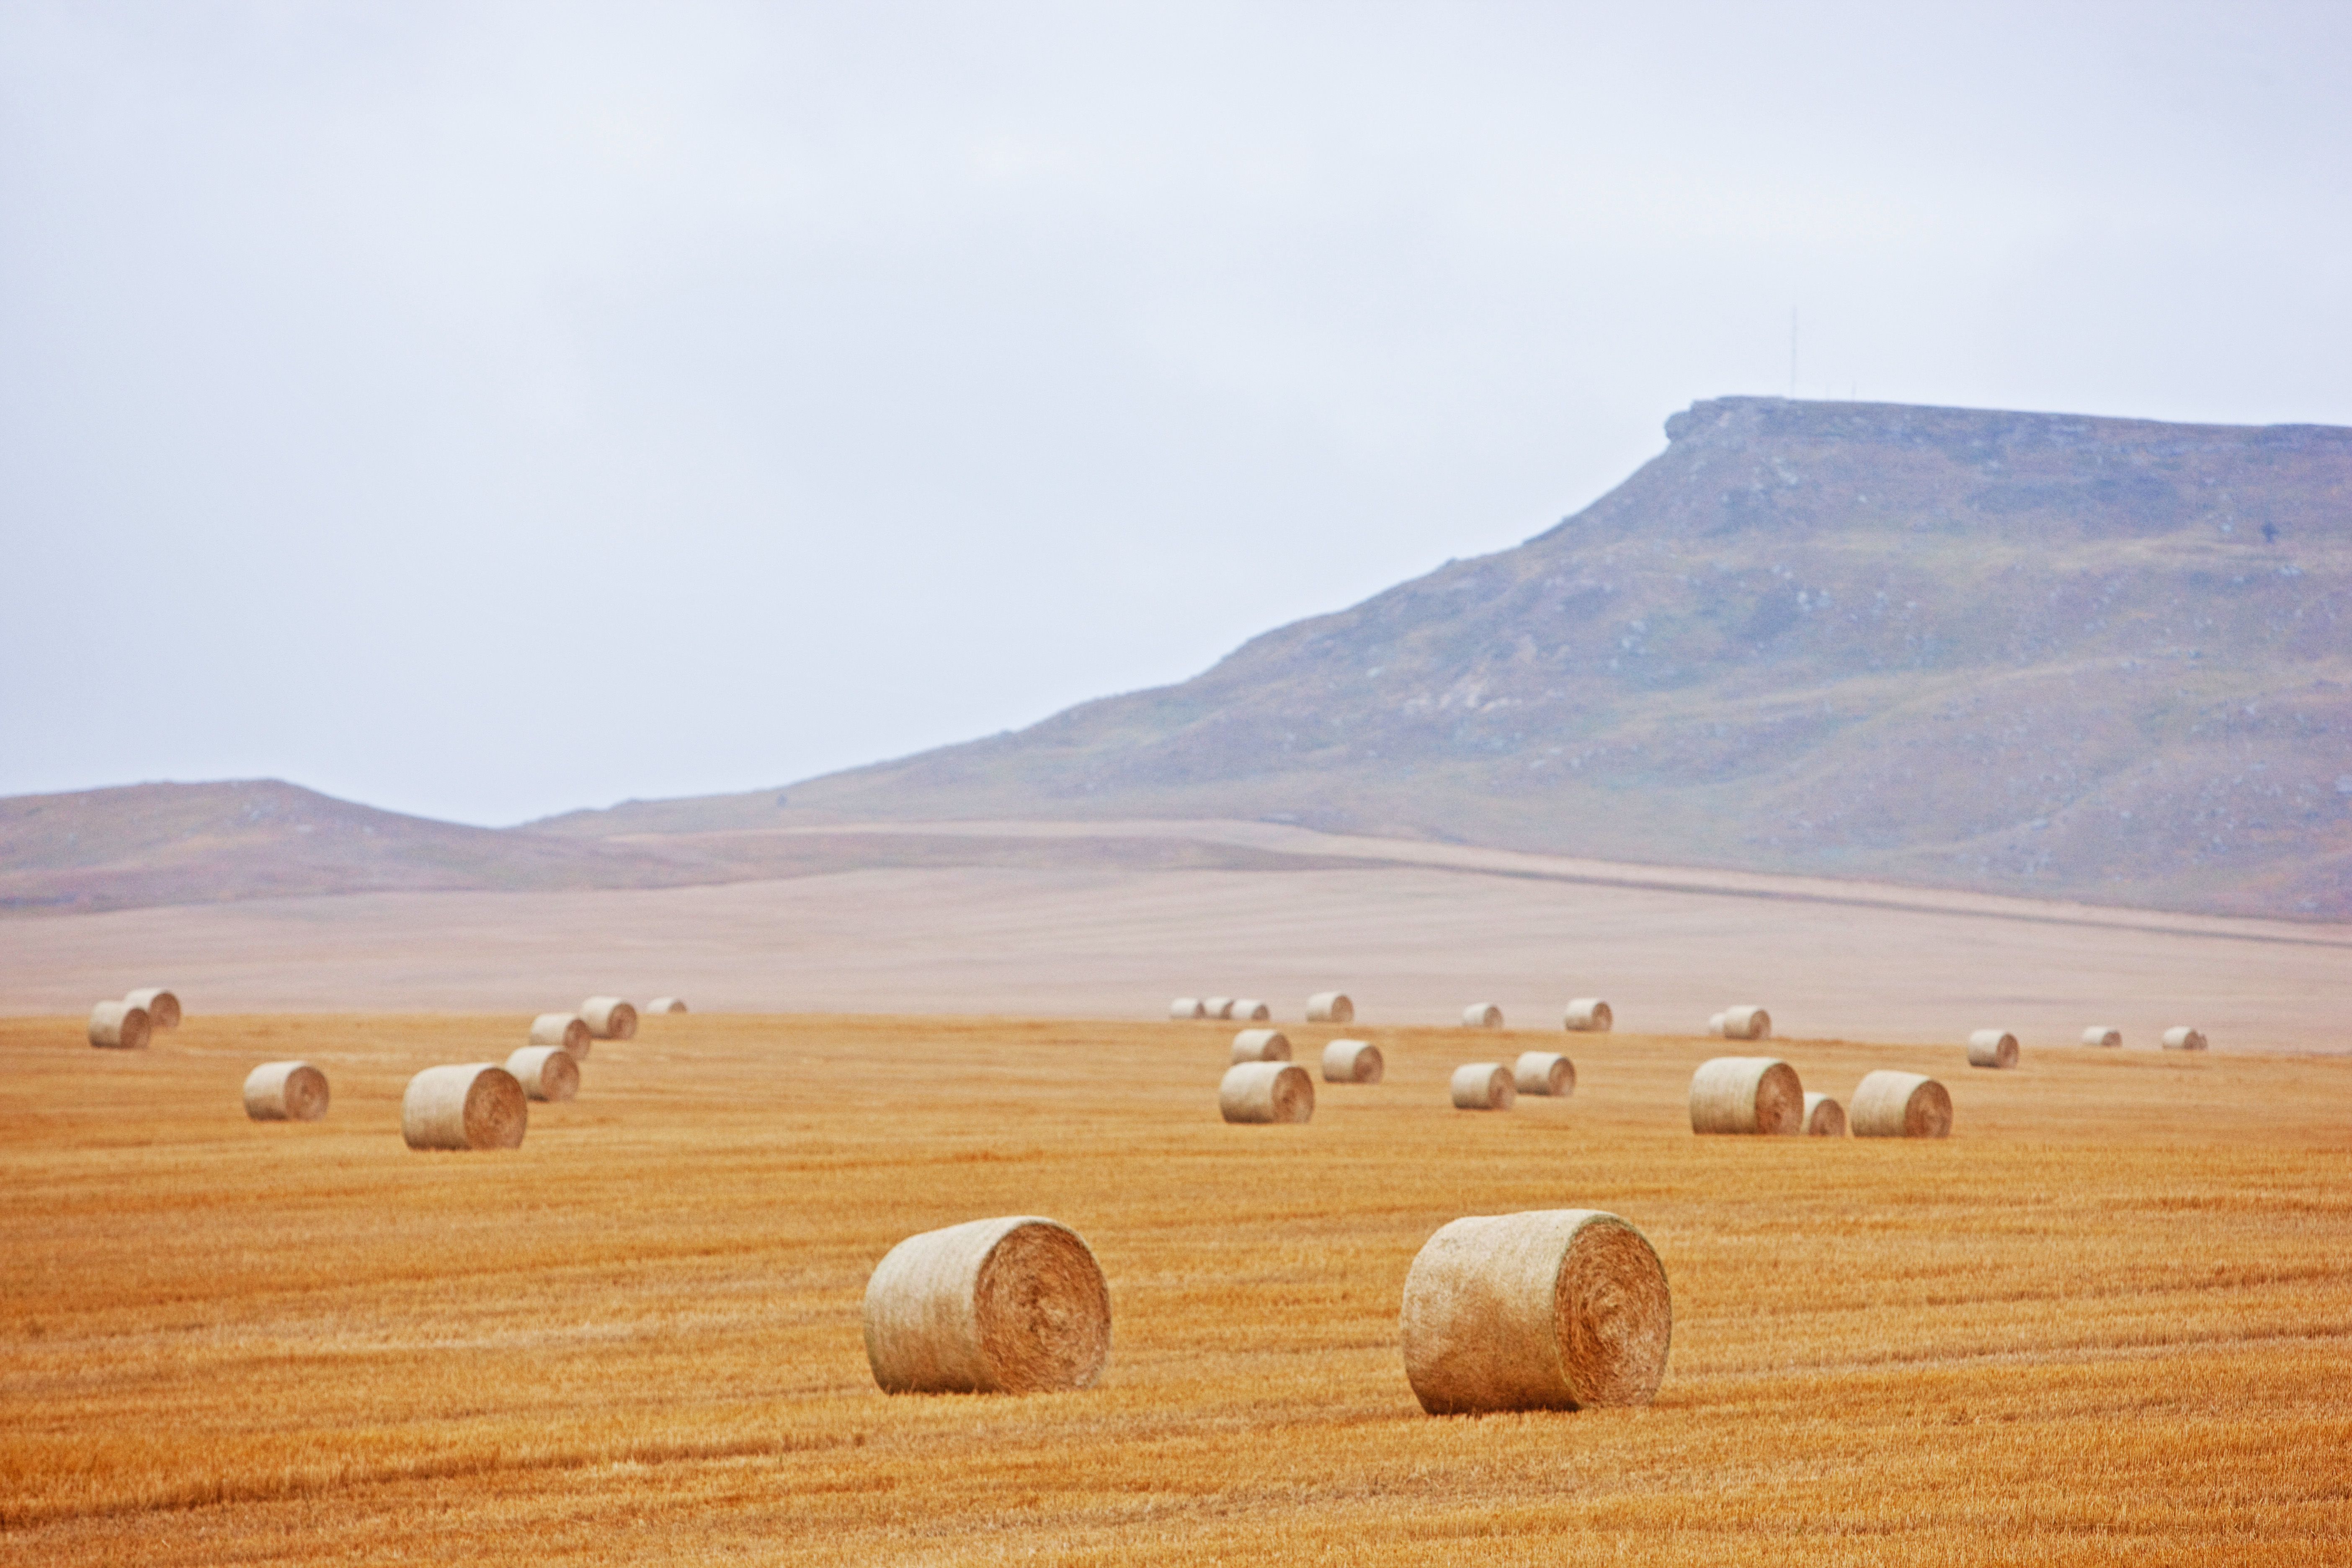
x: 2038, y: 654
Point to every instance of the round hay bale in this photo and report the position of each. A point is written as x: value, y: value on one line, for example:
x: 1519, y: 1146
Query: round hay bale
x: 1261, y: 1045
x: 119, y: 1027
x: 610, y: 1018
x: 546, y: 1072
x: 286, y: 1091
x: 1483, y: 1086
x: 1824, y: 1117
x: 1889, y: 1104
x: 1746, y: 1024
x: 1015, y: 1305
x: 1714, y: 1023
x: 1482, y: 1016
x: 162, y: 1007
x: 1544, y: 1072
x: 1250, y: 1010
x: 1747, y: 1094
x: 1353, y: 1061
x: 1590, y: 1015
x: 565, y: 1031
x: 1187, y: 1007
x: 665, y: 1005
x: 1267, y: 1092
x: 1555, y: 1310
x: 1217, y: 1006
x: 2183, y: 1038
x: 1992, y: 1049
x: 478, y: 1106
x: 2100, y: 1035
x: 1330, y: 1007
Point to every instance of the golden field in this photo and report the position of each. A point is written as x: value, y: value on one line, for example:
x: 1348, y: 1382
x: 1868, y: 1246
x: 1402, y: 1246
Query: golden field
x: 2109, y: 1320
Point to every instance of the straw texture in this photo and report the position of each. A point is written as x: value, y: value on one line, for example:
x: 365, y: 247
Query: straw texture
x: 119, y: 1026
x: 609, y: 1019
x: 1746, y: 1024
x: 1187, y: 1007
x: 1483, y: 1086
x: 1330, y: 1007
x: 566, y: 1031
x: 286, y: 1091
x: 1747, y: 1094
x: 1015, y: 1305
x: 162, y: 1007
x: 545, y: 1072
x: 1482, y: 1016
x: 2183, y: 1038
x: 1992, y: 1049
x: 1544, y: 1072
x: 476, y: 1105
x: 1353, y: 1061
x: 1556, y: 1310
x: 1267, y: 1092
x: 1890, y: 1104
x: 1590, y: 1015
x: 1261, y: 1045
x: 2101, y: 1036
x: 1824, y: 1117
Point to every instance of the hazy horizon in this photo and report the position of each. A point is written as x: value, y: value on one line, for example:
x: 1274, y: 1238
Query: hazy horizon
x: 483, y: 412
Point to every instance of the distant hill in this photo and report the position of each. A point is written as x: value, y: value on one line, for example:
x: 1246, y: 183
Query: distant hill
x: 2047, y: 655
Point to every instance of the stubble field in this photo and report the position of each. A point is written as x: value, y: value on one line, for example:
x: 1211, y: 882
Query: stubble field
x: 2109, y: 1320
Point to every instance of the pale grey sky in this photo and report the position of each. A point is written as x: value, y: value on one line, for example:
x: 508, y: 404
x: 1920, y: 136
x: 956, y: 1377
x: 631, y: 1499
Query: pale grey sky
x: 483, y: 410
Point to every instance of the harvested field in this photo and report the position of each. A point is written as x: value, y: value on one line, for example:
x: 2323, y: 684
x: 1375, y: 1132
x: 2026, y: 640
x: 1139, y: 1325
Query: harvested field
x: 636, y: 1339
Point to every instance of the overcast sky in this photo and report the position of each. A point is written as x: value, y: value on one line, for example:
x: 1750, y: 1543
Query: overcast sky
x: 483, y: 410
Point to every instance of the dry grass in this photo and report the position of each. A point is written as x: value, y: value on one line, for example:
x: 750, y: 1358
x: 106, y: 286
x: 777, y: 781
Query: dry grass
x: 636, y: 1338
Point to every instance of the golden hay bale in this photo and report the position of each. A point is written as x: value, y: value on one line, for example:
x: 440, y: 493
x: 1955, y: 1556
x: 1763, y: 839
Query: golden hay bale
x: 2183, y: 1038
x: 610, y: 1018
x: 1544, y: 1072
x: 1249, y: 1010
x: 1261, y: 1045
x: 665, y: 1005
x: 119, y: 1026
x: 1590, y: 1015
x: 1483, y: 1086
x: 1992, y: 1049
x: 162, y: 1007
x: 1482, y: 1016
x: 1746, y: 1024
x: 1218, y: 1007
x: 286, y: 1091
x: 2100, y: 1035
x: 1714, y: 1023
x: 1187, y: 1007
x: 1267, y: 1092
x: 478, y: 1106
x: 545, y: 1072
x: 566, y: 1031
x: 1824, y: 1117
x: 1889, y: 1104
x: 1330, y: 1007
x: 1015, y: 1305
x: 1353, y: 1061
x: 1747, y: 1094
x: 1556, y: 1310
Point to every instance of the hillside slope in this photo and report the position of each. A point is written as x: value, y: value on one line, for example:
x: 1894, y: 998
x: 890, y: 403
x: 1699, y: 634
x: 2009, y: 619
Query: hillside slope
x: 2047, y: 655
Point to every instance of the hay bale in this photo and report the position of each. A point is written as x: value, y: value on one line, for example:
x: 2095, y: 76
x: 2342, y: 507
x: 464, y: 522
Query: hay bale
x: 565, y: 1031
x: 1353, y: 1061
x: 478, y: 1106
x: 1482, y: 1016
x: 1745, y: 1024
x: 545, y: 1072
x: 2100, y: 1035
x: 1261, y: 1045
x: 119, y: 1027
x: 1824, y: 1117
x: 1590, y: 1015
x: 1544, y: 1072
x: 1250, y: 1010
x: 1992, y: 1049
x: 1015, y: 1305
x: 1714, y: 1023
x: 1217, y: 1006
x: 1330, y: 1007
x: 1483, y: 1086
x: 1889, y: 1104
x: 1556, y: 1310
x: 1747, y: 1094
x: 286, y: 1091
x: 2183, y: 1038
x: 162, y: 1007
x: 1187, y: 1007
x: 610, y: 1018
x: 665, y: 1005
x: 1266, y: 1091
